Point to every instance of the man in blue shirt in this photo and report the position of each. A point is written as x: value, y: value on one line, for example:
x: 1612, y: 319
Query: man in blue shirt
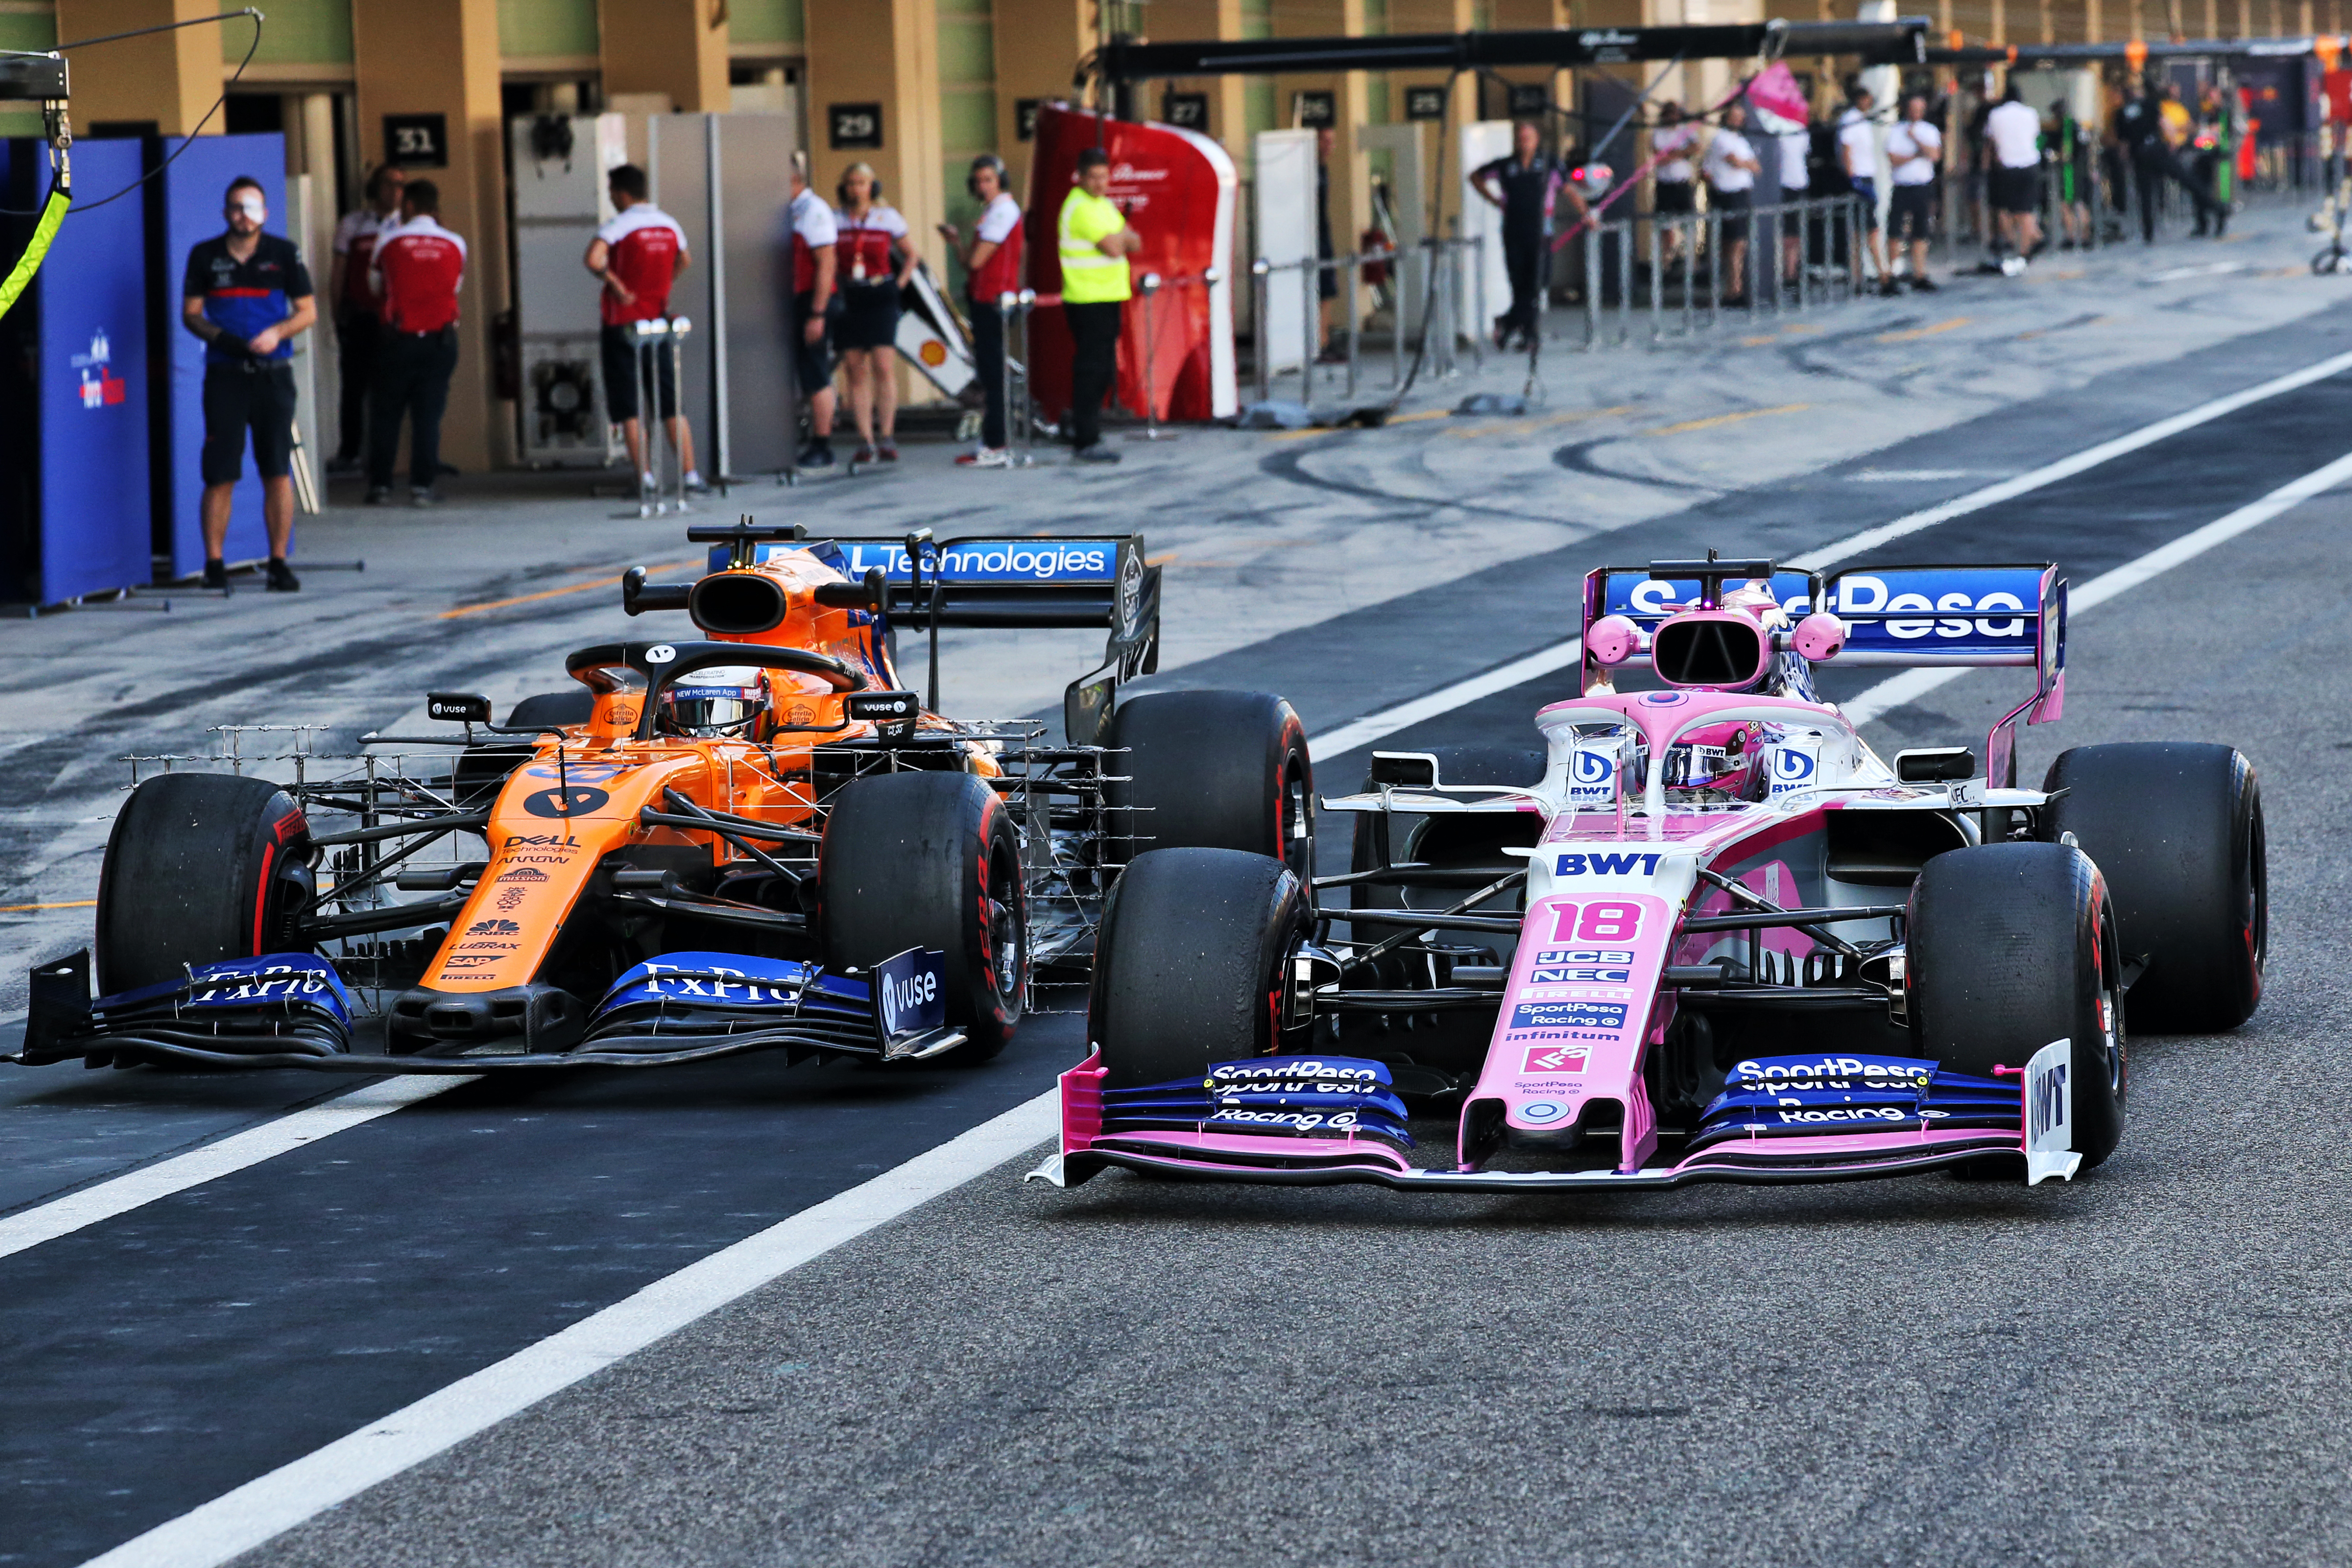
x: 247, y: 294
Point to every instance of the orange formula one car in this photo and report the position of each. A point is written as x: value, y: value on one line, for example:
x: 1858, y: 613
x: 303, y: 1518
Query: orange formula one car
x: 756, y: 840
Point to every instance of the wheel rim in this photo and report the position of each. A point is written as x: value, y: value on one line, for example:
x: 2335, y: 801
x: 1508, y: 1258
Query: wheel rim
x: 2258, y: 913
x: 2111, y: 1009
x: 1294, y: 829
x: 1004, y: 932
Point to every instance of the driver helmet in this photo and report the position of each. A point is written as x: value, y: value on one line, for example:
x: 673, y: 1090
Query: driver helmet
x: 722, y: 700
x: 1715, y: 763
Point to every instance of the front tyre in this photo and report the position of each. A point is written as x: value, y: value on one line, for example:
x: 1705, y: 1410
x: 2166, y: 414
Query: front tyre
x: 2008, y: 947
x: 1213, y: 770
x: 931, y: 860
x: 1189, y: 964
x: 199, y: 867
x: 2176, y: 829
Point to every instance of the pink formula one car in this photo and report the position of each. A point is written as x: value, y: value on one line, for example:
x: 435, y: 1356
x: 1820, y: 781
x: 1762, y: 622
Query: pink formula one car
x: 1705, y: 934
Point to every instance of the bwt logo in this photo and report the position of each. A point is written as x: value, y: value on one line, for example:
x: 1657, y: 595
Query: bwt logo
x: 1594, y: 768
x: 2049, y: 1107
x: 1789, y: 764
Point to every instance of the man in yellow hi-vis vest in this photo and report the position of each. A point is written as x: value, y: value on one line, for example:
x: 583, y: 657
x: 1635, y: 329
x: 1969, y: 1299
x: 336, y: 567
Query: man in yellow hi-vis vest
x: 1095, y: 245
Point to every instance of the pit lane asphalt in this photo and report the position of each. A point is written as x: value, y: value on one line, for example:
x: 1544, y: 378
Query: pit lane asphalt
x: 2144, y: 1367
x: 187, y: 1346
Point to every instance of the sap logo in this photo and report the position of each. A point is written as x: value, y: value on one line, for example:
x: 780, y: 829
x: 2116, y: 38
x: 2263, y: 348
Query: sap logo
x: 457, y: 959
x: 1579, y: 975
x: 1606, y: 866
x: 1557, y: 1060
x: 1584, y: 955
x: 541, y: 841
x: 495, y: 928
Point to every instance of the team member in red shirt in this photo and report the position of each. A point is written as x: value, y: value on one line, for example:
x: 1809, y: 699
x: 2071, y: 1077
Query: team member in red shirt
x: 870, y: 243
x: 356, y: 309
x: 638, y: 256
x: 418, y: 269
x: 991, y: 266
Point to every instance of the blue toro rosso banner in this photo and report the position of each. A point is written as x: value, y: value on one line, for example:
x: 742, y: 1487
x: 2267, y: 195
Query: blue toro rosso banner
x: 1894, y: 615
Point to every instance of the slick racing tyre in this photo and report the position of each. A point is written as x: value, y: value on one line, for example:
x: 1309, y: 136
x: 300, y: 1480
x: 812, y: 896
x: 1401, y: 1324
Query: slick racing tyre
x: 2176, y: 829
x: 199, y: 867
x: 2012, y: 946
x: 1211, y: 770
x: 483, y: 770
x: 1189, y: 964
x: 931, y: 860
x: 1450, y: 1041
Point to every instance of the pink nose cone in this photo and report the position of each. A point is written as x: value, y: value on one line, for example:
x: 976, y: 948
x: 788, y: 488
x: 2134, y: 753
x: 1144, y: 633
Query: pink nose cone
x: 1611, y: 640
x: 1820, y: 636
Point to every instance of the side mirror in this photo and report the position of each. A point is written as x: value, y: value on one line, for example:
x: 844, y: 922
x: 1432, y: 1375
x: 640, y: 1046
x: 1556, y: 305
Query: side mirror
x: 882, y: 707
x: 1405, y: 770
x: 1819, y: 638
x: 1936, y: 765
x: 457, y: 707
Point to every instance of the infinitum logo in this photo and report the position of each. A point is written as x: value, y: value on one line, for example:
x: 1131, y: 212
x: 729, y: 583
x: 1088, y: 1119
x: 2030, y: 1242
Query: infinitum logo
x: 101, y: 388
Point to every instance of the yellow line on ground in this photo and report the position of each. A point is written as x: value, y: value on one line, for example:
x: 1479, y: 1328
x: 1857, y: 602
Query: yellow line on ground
x: 1922, y: 331
x: 20, y: 909
x: 1713, y: 420
x: 1521, y: 426
x: 551, y: 593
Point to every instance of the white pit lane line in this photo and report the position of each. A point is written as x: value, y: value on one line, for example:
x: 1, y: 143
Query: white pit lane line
x: 1559, y: 656
x: 241, y: 1520
x: 133, y: 1189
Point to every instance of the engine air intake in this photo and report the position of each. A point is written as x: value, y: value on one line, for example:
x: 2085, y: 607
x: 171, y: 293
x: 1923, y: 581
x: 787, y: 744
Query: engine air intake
x: 1710, y: 649
x: 738, y: 604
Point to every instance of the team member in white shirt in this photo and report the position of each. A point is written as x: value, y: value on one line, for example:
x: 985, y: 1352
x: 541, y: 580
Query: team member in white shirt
x: 1673, y: 193
x: 813, y: 241
x: 1731, y: 167
x: 1796, y: 180
x: 2015, y: 132
x: 1914, y: 147
x: 1858, y: 157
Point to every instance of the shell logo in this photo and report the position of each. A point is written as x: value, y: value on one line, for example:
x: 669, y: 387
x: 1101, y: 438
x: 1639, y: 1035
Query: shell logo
x: 933, y: 353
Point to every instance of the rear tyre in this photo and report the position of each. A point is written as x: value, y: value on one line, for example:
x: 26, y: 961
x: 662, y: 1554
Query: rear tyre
x: 2176, y: 829
x: 1213, y: 770
x: 199, y: 867
x: 2009, y: 947
x: 1187, y: 969
x: 931, y: 860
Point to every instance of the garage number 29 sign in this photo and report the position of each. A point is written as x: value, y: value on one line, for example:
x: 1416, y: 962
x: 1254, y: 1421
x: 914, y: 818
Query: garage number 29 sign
x: 855, y: 125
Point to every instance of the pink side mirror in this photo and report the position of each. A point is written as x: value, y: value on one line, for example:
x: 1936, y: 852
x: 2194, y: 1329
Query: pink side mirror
x: 1819, y: 636
x: 1611, y: 640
